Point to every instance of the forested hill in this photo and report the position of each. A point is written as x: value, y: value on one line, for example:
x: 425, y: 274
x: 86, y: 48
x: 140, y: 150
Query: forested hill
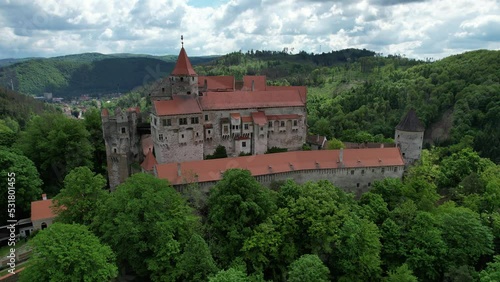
x: 89, y: 73
x: 357, y: 95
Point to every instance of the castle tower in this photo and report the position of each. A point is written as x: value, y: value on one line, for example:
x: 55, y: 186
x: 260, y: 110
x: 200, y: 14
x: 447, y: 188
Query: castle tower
x: 409, y: 137
x: 183, y: 79
x: 122, y: 143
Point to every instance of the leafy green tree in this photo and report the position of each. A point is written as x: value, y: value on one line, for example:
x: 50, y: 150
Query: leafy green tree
x: 69, y: 252
x: 56, y: 144
x: 358, y: 251
x: 24, y: 178
x: 374, y: 207
x: 77, y: 202
x: 492, y: 272
x: 237, y: 204
x: 391, y: 190
x: 401, y: 274
x: 308, y: 268
x: 334, y: 144
x: 7, y: 135
x: 93, y: 124
x: 148, y: 224
x: 425, y: 247
x: 464, y: 235
x: 196, y: 262
x: 220, y: 152
x: 230, y: 275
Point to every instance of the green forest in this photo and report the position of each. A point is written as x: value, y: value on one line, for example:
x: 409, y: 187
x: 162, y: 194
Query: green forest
x: 441, y: 222
x: 89, y: 73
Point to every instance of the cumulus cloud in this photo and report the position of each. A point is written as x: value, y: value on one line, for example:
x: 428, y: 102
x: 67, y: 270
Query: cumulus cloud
x: 416, y: 28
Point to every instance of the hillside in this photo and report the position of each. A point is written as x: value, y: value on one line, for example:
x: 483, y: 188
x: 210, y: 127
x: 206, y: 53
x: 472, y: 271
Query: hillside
x: 89, y: 73
x: 359, y: 96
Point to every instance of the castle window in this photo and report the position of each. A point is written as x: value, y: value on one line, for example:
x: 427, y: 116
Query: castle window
x: 352, y: 172
x: 123, y: 130
x: 295, y: 123
x: 182, y: 78
x: 209, y: 131
x: 270, y: 124
x: 282, y: 123
x: 206, y: 117
x: 373, y: 170
x: 383, y: 170
x: 246, y: 126
x: 189, y: 92
x: 169, y: 122
x: 226, y: 129
x: 357, y: 185
x: 163, y: 89
x: 403, y: 154
x: 369, y: 184
x: 395, y: 169
x: 362, y: 172
x: 160, y: 137
x: 154, y: 119
x: 182, y: 135
x: 192, y: 78
x: 114, y: 150
x: 398, y: 135
x: 183, y: 121
x: 197, y: 134
x: 243, y: 144
x: 195, y: 120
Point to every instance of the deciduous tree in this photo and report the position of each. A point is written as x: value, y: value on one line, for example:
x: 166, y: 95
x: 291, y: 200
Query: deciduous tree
x: 69, y: 252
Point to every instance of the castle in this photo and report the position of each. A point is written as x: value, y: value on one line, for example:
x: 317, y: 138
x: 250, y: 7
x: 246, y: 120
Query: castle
x: 192, y: 115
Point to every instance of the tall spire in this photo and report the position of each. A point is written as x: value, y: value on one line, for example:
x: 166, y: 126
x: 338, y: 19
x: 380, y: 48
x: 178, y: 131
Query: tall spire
x: 183, y: 65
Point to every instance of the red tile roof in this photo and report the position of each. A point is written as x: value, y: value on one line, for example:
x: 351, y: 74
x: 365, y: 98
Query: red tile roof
x: 183, y: 65
x: 105, y: 112
x: 210, y: 170
x: 277, y: 117
x: 259, y: 118
x: 217, y: 83
x: 179, y: 105
x: 41, y: 210
x: 246, y: 119
x: 302, y: 90
x: 147, y: 143
x: 235, y: 115
x: 149, y: 162
x: 251, y: 100
x: 259, y: 82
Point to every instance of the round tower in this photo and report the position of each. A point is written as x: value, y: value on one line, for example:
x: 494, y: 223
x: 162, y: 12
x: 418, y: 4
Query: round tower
x: 409, y: 137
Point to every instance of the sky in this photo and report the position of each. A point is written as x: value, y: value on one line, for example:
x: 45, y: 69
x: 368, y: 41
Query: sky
x: 413, y: 28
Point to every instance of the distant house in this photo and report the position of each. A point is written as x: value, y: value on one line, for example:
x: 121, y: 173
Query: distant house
x: 317, y: 142
x: 41, y: 213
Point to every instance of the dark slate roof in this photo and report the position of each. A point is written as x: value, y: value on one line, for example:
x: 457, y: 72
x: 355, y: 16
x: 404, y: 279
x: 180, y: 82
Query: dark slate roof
x: 411, y: 123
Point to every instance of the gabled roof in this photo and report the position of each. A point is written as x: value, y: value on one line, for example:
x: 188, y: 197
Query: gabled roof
x: 251, y: 100
x: 211, y: 170
x: 41, y: 210
x: 410, y: 122
x: 149, y: 162
x: 259, y: 118
x: 179, y: 105
x: 183, y: 65
x: 217, y: 83
x: 259, y: 82
x: 302, y: 90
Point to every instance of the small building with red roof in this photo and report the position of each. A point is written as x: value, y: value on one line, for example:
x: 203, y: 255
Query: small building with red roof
x: 42, y: 214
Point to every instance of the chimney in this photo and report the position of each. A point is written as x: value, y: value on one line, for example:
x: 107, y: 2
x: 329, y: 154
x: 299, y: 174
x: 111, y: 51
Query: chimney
x: 341, y: 157
x: 205, y: 85
x: 44, y: 197
x: 178, y: 169
x: 253, y: 85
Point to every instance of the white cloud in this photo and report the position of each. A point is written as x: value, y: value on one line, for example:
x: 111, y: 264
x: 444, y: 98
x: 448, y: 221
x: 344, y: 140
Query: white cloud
x: 433, y: 28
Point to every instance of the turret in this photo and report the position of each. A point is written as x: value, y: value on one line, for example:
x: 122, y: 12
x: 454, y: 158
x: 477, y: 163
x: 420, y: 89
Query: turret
x: 183, y: 79
x: 409, y: 137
